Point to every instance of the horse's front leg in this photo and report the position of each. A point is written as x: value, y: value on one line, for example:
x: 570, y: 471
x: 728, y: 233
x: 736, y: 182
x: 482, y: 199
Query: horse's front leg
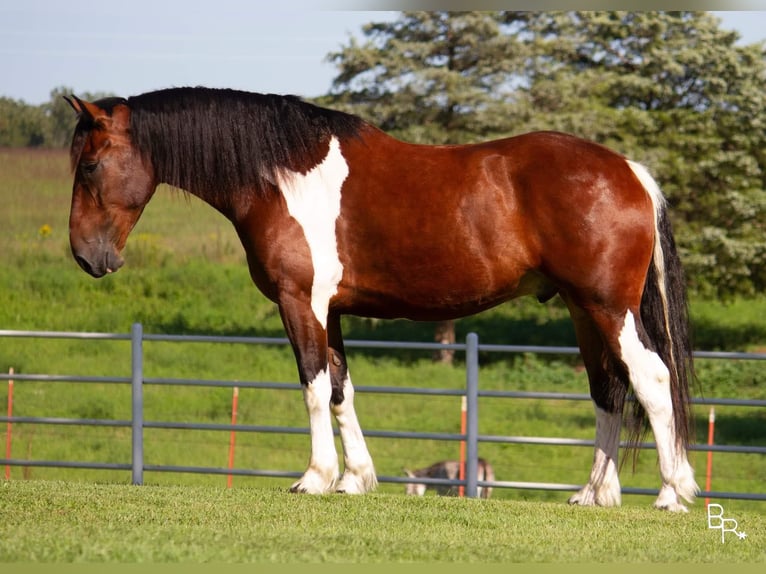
x: 309, y: 341
x: 359, y: 473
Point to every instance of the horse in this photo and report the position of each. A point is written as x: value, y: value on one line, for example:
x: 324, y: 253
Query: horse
x: 449, y: 469
x: 337, y: 217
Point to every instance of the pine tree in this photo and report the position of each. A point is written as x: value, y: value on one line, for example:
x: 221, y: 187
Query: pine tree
x: 429, y: 77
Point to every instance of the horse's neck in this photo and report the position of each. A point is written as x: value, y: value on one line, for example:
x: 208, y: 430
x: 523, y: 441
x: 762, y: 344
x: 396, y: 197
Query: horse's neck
x: 231, y: 206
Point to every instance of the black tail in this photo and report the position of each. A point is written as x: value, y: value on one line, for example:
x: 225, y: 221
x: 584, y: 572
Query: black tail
x: 665, y: 318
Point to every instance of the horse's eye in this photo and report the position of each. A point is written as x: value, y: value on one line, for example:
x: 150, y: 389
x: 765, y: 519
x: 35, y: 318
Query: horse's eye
x: 88, y: 167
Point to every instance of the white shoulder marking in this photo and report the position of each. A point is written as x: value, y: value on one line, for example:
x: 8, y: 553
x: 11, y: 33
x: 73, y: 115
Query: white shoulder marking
x: 313, y: 199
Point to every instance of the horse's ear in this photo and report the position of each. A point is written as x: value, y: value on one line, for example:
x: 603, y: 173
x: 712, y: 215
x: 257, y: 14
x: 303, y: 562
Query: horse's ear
x: 73, y: 102
x: 86, y: 110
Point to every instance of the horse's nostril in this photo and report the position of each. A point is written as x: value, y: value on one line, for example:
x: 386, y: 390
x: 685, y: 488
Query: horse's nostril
x: 84, y: 264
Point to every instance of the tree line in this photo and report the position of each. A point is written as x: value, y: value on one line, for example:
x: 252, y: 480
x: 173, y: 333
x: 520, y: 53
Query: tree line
x: 48, y: 125
x: 672, y: 90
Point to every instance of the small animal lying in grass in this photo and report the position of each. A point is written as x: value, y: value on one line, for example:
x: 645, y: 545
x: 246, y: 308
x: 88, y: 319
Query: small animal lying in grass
x: 449, y: 469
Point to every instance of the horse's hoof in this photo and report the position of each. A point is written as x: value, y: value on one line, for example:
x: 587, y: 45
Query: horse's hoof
x: 672, y: 507
x: 298, y: 488
x: 582, y: 498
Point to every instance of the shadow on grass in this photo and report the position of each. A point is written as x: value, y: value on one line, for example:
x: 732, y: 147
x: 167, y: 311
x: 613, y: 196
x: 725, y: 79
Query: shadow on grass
x: 745, y: 429
x: 179, y: 327
x: 519, y: 322
x: 712, y: 335
x: 491, y: 329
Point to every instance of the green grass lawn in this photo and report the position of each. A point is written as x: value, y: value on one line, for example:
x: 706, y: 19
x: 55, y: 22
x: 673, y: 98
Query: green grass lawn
x: 44, y: 521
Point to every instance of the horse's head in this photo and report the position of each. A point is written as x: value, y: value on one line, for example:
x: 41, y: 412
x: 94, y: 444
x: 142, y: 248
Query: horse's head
x: 112, y: 184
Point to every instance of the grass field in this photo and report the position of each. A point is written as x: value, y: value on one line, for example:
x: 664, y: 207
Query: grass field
x: 60, y: 522
x: 185, y: 273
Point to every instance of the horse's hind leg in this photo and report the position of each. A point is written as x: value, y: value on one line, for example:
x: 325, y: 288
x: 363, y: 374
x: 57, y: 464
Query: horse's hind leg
x: 607, y: 393
x: 359, y: 473
x: 651, y: 384
x: 624, y: 336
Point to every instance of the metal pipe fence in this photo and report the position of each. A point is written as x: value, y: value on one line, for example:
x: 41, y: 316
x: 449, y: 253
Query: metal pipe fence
x: 471, y: 392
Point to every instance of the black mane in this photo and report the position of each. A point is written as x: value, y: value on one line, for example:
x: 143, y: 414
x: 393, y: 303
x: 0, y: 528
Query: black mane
x: 218, y: 141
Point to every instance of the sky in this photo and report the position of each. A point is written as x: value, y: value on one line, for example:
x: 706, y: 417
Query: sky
x: 127, y: 48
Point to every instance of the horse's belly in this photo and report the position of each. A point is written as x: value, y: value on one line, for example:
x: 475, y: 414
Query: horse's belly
x: 429, y: 298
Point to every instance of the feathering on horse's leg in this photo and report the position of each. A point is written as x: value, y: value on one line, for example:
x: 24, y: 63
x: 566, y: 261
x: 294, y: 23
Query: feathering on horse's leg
x: 603, y: 486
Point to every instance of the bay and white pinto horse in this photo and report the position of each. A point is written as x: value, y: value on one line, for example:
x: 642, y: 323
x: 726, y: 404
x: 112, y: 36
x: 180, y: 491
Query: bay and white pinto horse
x: 336, y: 217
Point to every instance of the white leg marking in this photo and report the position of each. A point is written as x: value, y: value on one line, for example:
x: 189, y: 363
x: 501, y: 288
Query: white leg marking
x: 359, y: 474
x: 651, y: 383
x: 322, y: 472
x: 603, y: 488
x: 313, y: 199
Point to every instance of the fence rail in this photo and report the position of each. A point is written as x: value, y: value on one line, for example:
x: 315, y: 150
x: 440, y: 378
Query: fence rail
x: 472, y: 393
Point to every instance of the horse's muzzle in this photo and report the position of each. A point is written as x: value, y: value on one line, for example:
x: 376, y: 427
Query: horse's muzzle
x: 109, y: 262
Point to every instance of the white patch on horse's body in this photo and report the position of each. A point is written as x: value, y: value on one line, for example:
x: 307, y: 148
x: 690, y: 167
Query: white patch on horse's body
x: 651, y: 384
x: 313, y: 200
x: 322, y: 472
x: 603, y: 488
x: 359, y: 473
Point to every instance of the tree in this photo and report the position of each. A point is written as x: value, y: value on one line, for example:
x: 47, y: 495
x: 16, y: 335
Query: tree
x: 431, y: 77
x: 48, y: 125
x: 20, y: 125
x: 670, y: 89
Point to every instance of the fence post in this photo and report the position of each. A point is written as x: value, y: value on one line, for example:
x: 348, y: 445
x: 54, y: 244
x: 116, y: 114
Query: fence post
x: 472, y: 413
x: 9, y: 426
x: 709, y: 470
x: 137, y: 403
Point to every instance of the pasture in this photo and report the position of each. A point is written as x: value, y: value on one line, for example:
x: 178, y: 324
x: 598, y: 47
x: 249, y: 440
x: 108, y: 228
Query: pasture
x: 92, y: 523
x: 194, y: 280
